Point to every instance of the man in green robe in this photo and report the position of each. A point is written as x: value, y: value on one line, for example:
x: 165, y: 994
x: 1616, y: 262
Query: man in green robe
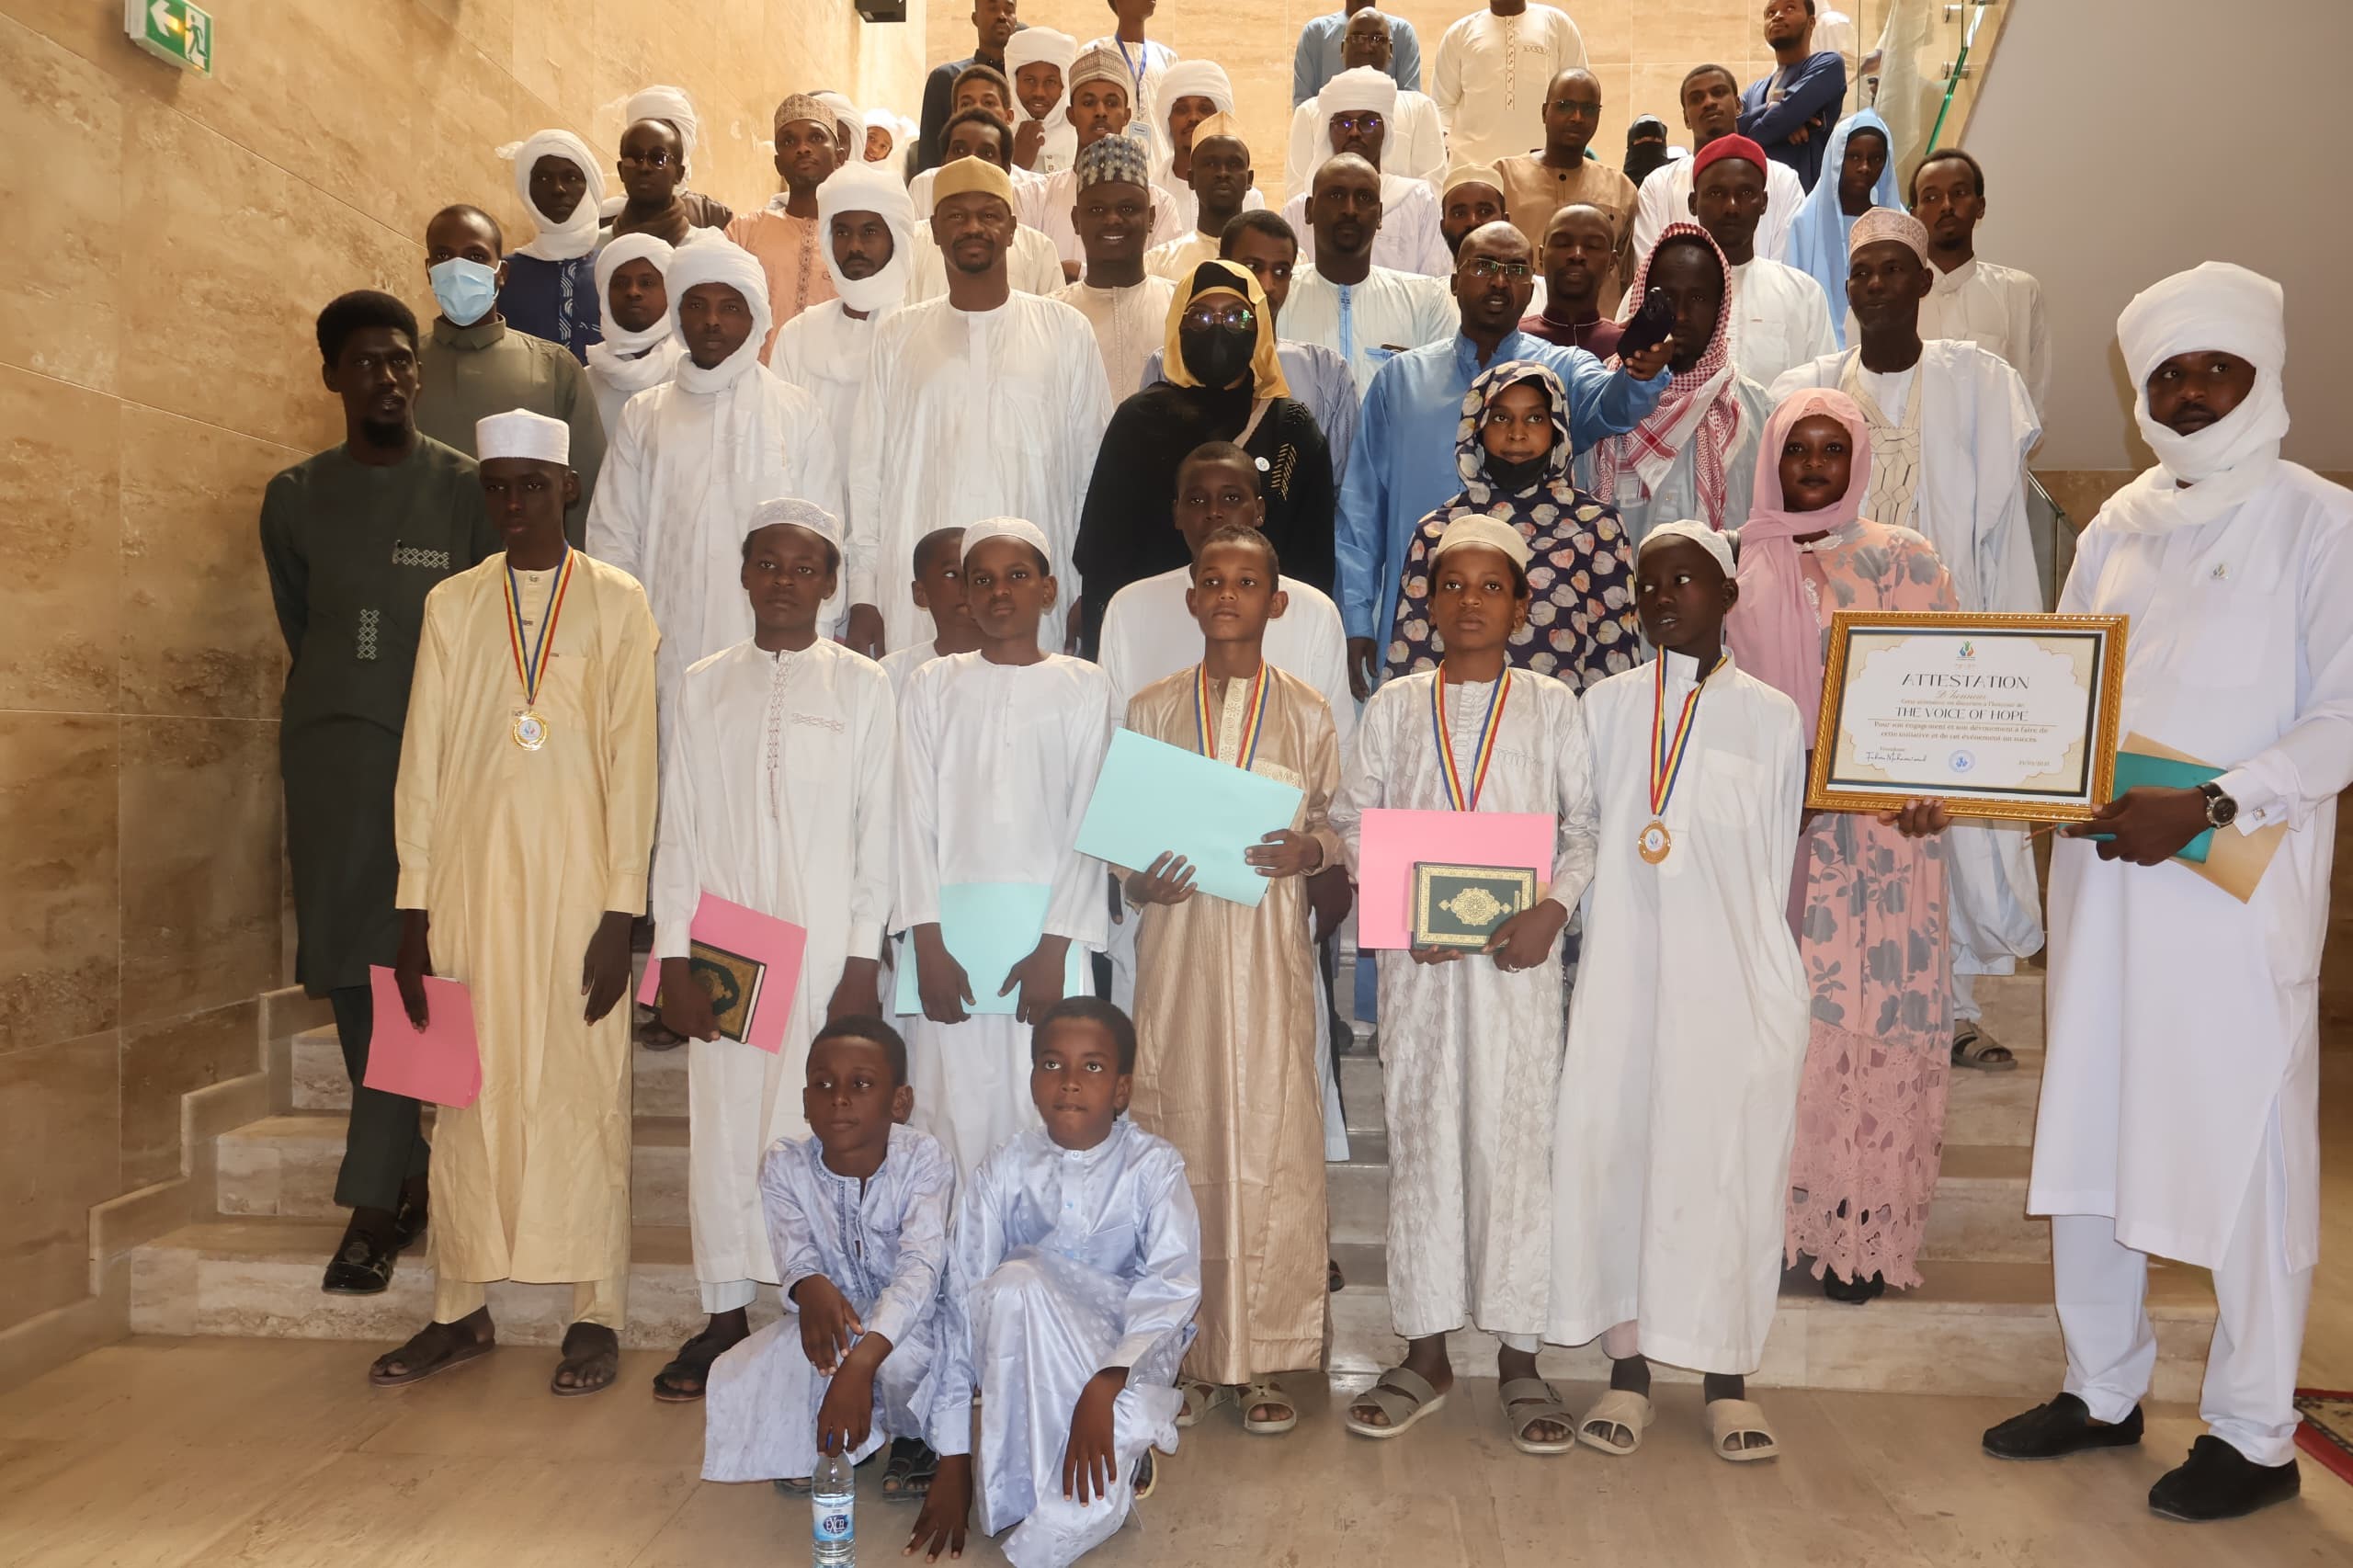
x: 474, y: 365
x: 354, y: 539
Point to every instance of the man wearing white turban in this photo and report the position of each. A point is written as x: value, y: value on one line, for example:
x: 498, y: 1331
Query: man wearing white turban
x: 1417, y: 140
x: 1037, y: 62
x: 867, y: 228
x: 548, y: 290
x: 2181, y: 1093
x: 1193, y: 92
x: 695, y: 455
x: 1356, y: 107
x: 524, y: 816
x: 638, y: 349
x: 800, y: 830
x: 658, y: 134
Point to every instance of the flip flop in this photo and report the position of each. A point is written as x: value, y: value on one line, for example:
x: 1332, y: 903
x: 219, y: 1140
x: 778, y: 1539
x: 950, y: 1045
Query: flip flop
x: 1401, y: 1394
x: 1729, y: 1418
x: 1544, y: 1404
x: 456, y: 1349
x: 1620, y: 1408
x: 1266, y: 1390
x: 586, y: 1345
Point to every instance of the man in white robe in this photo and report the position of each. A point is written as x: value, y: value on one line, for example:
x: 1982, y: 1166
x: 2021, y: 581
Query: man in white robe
x: 1416, y: 136
x: 1489, y: 79
x: 1216, y: 189
x: 1781, y: 318
x: 983, y: 403
x: 694, y: 455
x: 1711, y: 99
x: 1126, y: 307
x: 1950, y: 428
x: 1101, y: 105
x: 867, y: 231
x: 631, y: 358
x: 1365, y: 312
x: 1031, y: 264
x: 1356, y: 109
x: 1997, y: 307
x: 2181, y: 1095
x: 778, y: 794
x: 1193, y: 93
x: 1037, y: 61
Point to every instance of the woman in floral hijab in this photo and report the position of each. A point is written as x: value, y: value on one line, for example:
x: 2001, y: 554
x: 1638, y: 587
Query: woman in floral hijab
x: 1513, y: 452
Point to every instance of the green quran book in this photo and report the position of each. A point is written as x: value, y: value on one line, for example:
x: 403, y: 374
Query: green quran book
x: 731, y: 982
x: 1460, y: 906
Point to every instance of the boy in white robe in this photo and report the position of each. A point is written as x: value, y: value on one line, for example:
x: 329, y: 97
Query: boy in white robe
x: 1687, y: 1030
x: 778, y: 794
x: 999, y: 751
x: 858, y: 1218
x: 2180, y: 1096
x: 1471, y: 1041
x: 938, y: 588
x: 1074, y: 1275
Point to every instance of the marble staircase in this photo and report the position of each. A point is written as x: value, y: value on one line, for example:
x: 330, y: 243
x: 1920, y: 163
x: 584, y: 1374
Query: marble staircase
x: 1983, y: 1324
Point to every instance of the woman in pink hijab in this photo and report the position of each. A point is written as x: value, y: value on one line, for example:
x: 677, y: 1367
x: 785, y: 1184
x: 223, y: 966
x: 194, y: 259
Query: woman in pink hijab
x: 1872, y: 924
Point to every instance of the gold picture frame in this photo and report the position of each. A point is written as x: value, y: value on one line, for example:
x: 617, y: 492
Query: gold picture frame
x: 1962, y: 692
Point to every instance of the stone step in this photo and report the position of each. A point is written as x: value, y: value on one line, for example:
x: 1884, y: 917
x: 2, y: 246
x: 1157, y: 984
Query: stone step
x: 320, y: 1083
x: 1971, y: 1328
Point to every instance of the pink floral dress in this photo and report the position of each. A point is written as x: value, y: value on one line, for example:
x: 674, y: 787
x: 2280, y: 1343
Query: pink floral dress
x: 1872, y: 1105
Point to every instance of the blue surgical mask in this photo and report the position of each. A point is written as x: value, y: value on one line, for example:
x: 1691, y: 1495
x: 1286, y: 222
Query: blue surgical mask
x: 466, y: 289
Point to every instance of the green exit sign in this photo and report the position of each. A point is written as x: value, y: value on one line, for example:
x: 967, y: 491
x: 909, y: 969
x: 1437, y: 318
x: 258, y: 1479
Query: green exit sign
x: 172, y: 30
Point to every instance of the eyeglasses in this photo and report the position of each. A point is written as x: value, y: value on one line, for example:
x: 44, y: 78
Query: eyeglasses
x: 1487, y: 268
x: 1211, y: 317
x: 1577, y: 105
x: 657, y: 159
x: 1362, y: 124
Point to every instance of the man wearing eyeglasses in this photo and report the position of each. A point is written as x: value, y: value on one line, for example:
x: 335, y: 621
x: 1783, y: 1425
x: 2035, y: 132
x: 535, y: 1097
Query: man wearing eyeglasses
x: 1402, y: 467
x: 1536, y: 185
x: 1359, y: 106
x: 653, y: 166
x: 1417, y: 140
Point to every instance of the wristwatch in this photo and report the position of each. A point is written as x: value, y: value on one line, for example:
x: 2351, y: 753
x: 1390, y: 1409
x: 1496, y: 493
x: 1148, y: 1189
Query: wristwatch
x: 2221, y: 809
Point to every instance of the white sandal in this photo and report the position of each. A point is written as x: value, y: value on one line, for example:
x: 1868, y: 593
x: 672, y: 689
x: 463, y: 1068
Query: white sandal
x: 1401, y: 1394
x: 1528, y: 1401
x: 1620, y: 1408
x: 1201, y: 1398
x: 1266, y: 1390
x: 1730, y: 1418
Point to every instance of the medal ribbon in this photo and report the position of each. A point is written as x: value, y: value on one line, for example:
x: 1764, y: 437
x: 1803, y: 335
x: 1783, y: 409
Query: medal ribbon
x: 1459, y: 798
x: 1666, y: 752
x: 529, y: 670
x: 1253, y: 723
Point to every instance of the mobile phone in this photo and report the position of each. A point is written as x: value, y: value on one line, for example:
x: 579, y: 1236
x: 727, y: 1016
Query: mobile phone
x: 1648, y: 325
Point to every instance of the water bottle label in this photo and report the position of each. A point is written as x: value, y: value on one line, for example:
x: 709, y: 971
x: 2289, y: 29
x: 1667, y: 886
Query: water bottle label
x: 834, y: 1524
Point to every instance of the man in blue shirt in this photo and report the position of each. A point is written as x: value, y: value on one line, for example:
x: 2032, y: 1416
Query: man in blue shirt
x: 1317, y: 60
x: 993, y: 23
x: 1404, y: 465
x: 1790, y: 112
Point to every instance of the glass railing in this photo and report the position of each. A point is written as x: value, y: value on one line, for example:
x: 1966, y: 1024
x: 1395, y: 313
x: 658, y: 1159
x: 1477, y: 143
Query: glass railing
x: 1919, y: 62
x: 2054, y: 533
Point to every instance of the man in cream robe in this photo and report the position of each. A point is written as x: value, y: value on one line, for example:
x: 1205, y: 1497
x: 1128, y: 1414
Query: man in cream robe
x: 2181, y: 1095
x: 991, y: 404
x: 1950, y: 428
x: 825, y: 351
x: 517, y: 860
x: 778, y: 794
x: 691, y: 459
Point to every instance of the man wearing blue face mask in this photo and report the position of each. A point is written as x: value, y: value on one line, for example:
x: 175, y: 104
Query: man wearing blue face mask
x: 474, y: 365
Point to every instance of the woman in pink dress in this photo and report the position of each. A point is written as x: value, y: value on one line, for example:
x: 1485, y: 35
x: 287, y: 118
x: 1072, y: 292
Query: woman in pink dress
x: 1871, y: 926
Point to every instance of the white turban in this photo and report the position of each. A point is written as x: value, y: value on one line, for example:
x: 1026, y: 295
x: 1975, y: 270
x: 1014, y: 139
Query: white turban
x: 1715, y: 543
x: 1029, y: 533
x: 669, y: 104
x: 519, y: 432
x: 1039, y: 46
x: 718, y: 260
x: 1362, y: 88
x: 859, y: 187
x: 576, y: 235
x: 891, y: 125
x: 1197, y: 79
x: 1491, y: 533
x: 2212, y: 306
x: 798, y: 514
x: 848, y: 113
x: 618, y: 341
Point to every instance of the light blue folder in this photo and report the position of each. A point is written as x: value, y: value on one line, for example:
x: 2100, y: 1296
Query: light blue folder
x: 989, y: 927
x: 1153, y: 798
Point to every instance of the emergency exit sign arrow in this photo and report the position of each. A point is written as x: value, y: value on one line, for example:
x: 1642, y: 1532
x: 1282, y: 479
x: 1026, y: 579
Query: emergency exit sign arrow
x: 172, y: 30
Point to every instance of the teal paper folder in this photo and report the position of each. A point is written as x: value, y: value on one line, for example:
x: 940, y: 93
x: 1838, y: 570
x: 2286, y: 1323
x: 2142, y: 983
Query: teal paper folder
x: 2136, y: 769
x: 1153, y: 798
x: 989, y: 927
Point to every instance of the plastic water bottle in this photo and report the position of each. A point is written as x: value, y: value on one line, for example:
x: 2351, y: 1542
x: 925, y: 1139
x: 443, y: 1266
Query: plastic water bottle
x: 833, y: 1536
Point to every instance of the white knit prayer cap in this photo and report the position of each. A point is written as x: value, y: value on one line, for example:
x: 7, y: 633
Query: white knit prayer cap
x: 1028, y: 532
x: 795, y: 513
x: 519, y: 432
x: 1493, y: 533
x: 1716, y: 544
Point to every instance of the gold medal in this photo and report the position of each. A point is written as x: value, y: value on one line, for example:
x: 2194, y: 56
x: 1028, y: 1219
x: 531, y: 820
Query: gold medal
x: 530, y: 729
x: 1654, y: 841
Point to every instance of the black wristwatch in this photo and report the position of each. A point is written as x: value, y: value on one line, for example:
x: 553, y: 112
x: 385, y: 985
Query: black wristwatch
x: 2221, y: 809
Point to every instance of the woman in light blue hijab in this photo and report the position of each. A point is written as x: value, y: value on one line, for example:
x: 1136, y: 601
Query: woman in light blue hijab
x: 1857, y: 174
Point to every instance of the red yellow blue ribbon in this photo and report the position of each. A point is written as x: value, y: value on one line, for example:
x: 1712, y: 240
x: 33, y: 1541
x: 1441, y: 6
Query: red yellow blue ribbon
x: 531, y: 668
x: 1458, y: 797
x: 1666, y: 752
x: 1254, y: 718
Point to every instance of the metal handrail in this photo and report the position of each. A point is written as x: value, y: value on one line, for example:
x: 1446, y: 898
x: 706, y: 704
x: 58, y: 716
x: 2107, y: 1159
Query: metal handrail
x: 2053, y: 536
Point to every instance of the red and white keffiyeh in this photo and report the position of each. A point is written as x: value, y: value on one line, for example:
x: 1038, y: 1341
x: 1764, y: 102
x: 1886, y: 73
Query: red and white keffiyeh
x: 1698, y: 409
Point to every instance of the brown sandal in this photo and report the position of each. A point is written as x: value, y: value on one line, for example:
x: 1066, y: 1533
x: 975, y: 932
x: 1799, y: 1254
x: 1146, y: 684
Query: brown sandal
x: 588, y: 1348
x: 687, y: 1376
x: 436, y: 1347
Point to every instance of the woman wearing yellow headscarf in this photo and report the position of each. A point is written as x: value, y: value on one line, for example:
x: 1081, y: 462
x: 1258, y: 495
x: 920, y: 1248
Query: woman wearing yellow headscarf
x: 1221, y: 382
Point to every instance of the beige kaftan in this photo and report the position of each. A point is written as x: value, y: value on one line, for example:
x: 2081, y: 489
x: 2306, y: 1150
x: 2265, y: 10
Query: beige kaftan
x: 516, y: 855
x: 1225, y: 1068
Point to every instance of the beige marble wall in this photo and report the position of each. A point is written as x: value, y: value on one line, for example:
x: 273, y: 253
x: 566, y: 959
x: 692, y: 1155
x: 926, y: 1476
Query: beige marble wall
x: 1639, y: 49
x: 172, y: 238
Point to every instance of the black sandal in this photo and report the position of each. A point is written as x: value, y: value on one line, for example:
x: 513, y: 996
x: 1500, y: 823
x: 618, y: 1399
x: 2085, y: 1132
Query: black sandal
x: 436, y: 1347
x: 908, y: 1474
x: 692, y: 1363
x: 587, y: 1347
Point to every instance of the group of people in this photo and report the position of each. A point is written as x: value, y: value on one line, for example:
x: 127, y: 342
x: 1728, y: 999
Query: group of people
x: 826, y: 558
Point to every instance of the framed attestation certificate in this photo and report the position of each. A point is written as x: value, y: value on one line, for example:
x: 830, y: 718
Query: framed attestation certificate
x: 2011, y: 716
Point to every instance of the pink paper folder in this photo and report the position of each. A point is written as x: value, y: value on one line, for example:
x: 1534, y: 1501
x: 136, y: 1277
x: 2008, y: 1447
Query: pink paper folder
x: 761, y: 956
x: 442, y: 1064
x: 1390, y: 842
